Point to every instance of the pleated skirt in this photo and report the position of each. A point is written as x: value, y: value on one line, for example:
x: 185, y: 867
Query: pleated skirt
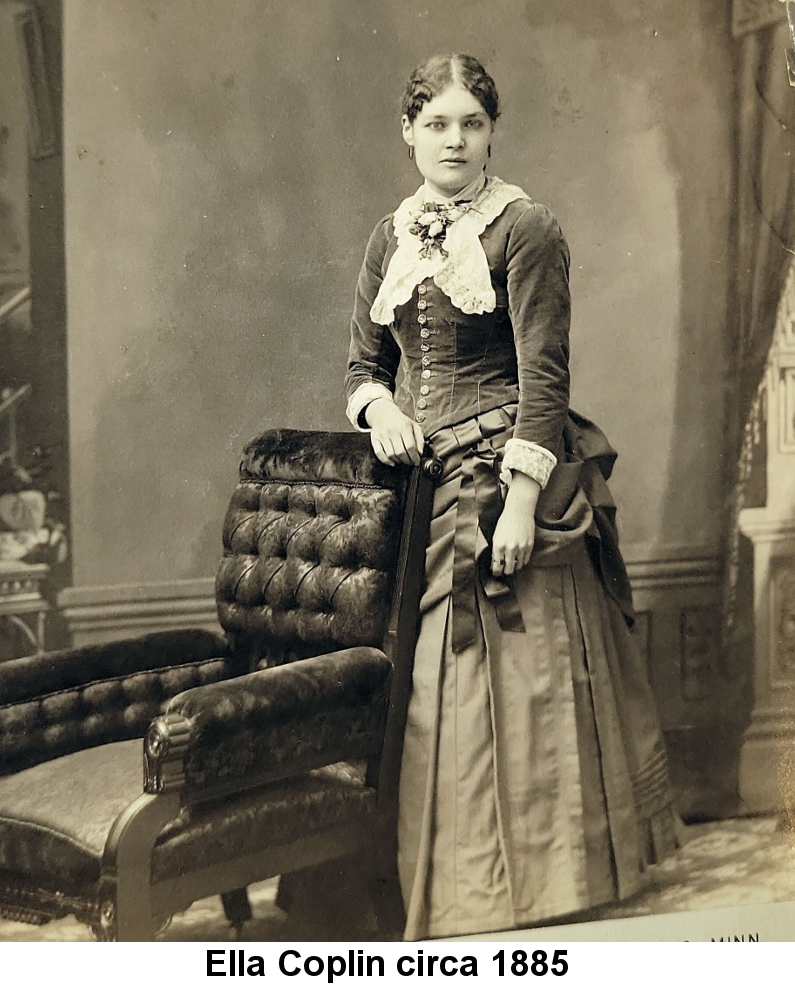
x: 534, y: 779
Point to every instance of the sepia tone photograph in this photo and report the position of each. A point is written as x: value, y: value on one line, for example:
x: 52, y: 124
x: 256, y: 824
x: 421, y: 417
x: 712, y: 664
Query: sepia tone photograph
x: 397, y: 466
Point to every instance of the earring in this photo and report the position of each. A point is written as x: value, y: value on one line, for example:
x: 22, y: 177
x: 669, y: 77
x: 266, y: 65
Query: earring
x: 489, y: 151
x: 411, y: 152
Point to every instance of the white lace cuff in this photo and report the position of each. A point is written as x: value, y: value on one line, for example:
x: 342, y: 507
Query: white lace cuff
x: 529, y: 458
x: 359, y: 399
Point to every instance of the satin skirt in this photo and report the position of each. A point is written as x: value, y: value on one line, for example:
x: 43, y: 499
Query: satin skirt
x: 534, y: 779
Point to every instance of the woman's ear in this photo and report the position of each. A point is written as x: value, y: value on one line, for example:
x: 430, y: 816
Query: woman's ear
x: 408, y: 131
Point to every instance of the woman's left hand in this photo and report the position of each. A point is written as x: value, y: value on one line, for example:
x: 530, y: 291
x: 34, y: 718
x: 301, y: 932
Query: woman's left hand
x: 514, y: 535
x: 512, y: 545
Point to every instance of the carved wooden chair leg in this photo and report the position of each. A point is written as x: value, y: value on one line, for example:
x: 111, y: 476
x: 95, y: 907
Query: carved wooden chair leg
x: 125, y: 912
x: 237, y: 909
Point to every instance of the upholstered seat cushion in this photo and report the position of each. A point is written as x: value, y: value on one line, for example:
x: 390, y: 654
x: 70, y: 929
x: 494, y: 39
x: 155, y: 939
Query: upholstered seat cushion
x: 56, y: 817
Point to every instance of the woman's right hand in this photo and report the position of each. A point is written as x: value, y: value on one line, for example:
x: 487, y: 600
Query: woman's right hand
x: 394, y: 437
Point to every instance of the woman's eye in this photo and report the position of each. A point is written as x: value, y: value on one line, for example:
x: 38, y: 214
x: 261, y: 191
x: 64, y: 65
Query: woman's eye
x: 474, y: 124
x: 435, y: 125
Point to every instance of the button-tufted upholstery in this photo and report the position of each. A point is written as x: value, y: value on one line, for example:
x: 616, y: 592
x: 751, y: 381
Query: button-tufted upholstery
x: 266, y: 720
x: 308, y: 555
x: 55, y: 704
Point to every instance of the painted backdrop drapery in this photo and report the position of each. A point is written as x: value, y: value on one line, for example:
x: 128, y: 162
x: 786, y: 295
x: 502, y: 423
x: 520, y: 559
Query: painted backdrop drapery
x: 765, y: 242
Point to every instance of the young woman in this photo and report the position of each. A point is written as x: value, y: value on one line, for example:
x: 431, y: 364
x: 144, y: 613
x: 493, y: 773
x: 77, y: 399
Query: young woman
x: 534, y: 780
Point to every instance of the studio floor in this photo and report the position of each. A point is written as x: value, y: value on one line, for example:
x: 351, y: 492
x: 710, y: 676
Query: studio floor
x: 723, y: 864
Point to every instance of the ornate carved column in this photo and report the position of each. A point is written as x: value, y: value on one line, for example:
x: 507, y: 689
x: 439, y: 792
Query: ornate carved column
x: 767, y: 758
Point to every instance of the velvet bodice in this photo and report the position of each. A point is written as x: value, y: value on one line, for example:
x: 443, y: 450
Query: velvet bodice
x: 457, y: 365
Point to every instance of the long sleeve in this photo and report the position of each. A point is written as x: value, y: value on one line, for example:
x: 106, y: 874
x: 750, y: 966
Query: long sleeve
x: 374, y: 355
x: 537, y: 259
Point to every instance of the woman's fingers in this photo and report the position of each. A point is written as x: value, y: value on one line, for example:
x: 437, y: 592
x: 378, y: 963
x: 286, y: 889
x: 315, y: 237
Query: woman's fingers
x: 511, y: 552
x: 502, y: 560
x: 380, y: 453
x: 404, y: 444
x: 403, y: 448
x: 409, y: 441
x: 395, y: 437
x: 413, y: 441
x: 509, y: 564
x: 398, y: 444
x: 383, y: 446
x: 510, y: 559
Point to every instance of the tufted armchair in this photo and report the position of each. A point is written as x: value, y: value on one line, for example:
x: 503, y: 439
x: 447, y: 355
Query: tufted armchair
x: 142, y: 775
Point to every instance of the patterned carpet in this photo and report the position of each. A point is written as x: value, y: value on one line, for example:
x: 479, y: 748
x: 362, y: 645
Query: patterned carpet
x: 723, y: 864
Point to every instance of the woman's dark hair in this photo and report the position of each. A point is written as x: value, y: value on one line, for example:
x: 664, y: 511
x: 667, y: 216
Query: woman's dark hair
x: 435, y: 74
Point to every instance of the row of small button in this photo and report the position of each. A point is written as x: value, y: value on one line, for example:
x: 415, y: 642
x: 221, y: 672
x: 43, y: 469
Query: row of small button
x: 422, y: 306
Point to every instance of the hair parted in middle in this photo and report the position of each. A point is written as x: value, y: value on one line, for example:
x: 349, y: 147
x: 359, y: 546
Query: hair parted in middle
x: 435, y: 74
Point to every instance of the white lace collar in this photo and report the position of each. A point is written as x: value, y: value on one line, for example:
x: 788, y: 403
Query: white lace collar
x: 464, y: 273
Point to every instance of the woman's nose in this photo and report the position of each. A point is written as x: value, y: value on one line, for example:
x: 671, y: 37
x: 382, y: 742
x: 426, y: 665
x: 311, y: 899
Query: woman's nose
x: 455, y: 137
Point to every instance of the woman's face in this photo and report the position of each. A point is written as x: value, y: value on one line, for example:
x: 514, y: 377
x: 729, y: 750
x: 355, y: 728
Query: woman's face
x: 450, y: 137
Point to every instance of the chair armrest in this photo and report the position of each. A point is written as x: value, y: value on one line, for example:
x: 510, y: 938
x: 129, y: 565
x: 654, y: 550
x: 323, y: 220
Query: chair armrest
x: 66, y: 701
x: 271, y: 724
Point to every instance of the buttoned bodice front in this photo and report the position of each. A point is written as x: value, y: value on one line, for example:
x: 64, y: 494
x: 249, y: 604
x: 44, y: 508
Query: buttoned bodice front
x: 455, y: 365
